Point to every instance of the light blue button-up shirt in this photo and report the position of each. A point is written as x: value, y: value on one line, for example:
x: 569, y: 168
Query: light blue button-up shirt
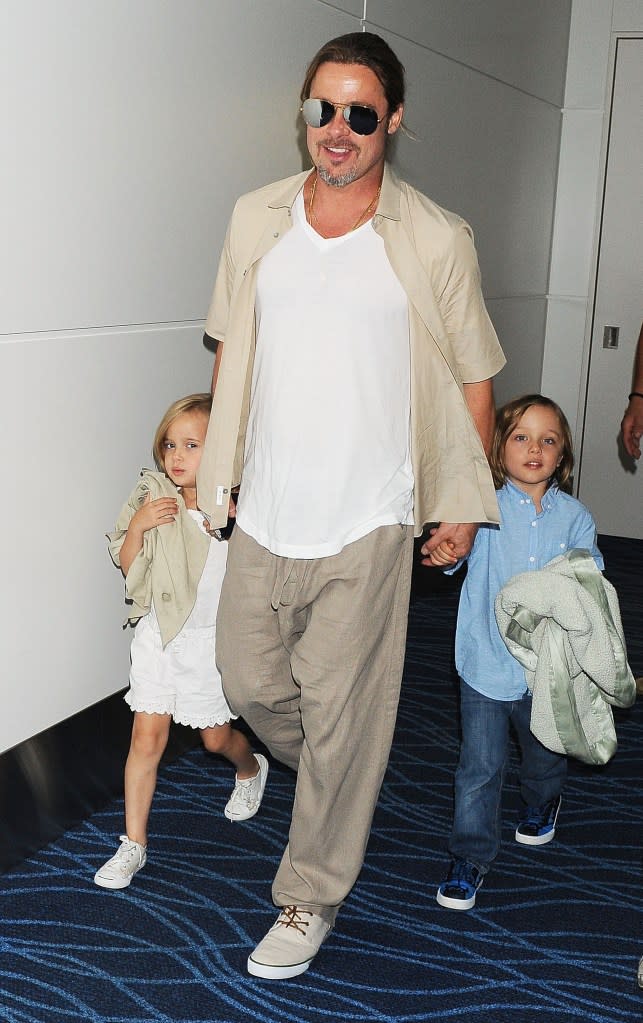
x: 525, y: 542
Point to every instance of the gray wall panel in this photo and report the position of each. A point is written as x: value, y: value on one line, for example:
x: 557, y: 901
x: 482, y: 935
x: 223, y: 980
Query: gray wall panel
x: 488, y: 152
x: 521, y: 42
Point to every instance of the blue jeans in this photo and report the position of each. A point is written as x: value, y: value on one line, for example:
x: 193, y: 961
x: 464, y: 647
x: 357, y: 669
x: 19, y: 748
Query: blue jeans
x: 479, y: 776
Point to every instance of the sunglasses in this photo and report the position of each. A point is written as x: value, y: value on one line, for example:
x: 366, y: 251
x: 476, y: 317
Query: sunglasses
x: 361, y: 120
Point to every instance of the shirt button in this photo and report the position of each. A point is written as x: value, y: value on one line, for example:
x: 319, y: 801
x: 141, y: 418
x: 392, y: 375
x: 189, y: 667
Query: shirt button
x: 562, y: 546
x: 532, y: 558
x: 276, y: 234
x: 166, y: 596
x: 534, y: 523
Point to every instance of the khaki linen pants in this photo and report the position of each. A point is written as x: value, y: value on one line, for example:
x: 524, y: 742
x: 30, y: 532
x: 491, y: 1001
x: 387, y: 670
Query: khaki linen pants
x: 311, y: 656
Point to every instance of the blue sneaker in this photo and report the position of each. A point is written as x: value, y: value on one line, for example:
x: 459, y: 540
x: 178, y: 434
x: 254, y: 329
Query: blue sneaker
x: 458, y: 890
x: 537, y: 824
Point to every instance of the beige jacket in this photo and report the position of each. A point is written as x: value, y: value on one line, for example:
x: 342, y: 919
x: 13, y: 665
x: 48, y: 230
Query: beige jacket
x: 452, y: 342
x: 563, y: 623
x: 167, y: 569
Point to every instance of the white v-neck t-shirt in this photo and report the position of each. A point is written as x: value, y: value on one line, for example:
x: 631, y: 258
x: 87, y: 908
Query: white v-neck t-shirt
x: 327, y: 457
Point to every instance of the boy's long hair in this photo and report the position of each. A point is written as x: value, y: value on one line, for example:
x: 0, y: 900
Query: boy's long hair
x: 192, y: 403
x: 507, y: 419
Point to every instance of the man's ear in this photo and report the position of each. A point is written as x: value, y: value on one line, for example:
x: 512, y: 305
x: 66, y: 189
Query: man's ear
x: 395, y: 120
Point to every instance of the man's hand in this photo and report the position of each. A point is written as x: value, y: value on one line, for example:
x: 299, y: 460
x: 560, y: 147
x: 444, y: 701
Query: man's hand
x: 449, y: 542
x: 232, y: 514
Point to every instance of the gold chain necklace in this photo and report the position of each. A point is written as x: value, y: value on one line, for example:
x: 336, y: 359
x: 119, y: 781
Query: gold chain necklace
x: 313, y: 216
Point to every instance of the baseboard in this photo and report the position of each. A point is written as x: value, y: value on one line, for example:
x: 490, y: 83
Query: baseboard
x: 59, y: 777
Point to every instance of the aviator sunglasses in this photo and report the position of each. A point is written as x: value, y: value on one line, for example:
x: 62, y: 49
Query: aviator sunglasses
x: 361, y: 120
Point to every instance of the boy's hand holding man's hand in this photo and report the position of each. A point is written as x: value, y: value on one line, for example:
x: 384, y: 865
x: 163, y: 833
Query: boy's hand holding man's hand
x: 449, y: 542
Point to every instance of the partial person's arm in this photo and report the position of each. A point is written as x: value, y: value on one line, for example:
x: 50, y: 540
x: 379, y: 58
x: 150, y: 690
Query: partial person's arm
x: 632, y: 423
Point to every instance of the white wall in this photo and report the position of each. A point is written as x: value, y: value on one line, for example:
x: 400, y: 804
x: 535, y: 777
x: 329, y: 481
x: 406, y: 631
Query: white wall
x: 132, y: 126
x: 595, y: 25
x: 485, y: 90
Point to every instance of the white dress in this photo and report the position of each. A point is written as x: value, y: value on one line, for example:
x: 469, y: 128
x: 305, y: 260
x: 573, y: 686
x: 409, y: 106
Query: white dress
x: 183, y: 679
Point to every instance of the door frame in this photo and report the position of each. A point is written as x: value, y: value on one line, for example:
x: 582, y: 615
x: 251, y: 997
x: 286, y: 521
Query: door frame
x: 590, y: 321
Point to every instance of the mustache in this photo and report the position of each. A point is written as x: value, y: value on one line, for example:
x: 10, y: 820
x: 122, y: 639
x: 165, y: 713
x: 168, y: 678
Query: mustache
x: 334, y: 143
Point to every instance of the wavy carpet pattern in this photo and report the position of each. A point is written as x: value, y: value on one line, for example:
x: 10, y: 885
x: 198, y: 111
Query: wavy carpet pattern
x: 555, y: 936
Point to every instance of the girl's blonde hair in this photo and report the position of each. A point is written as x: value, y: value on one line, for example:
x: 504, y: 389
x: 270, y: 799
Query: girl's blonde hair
x: 192, y: 403
x: 508, y: 417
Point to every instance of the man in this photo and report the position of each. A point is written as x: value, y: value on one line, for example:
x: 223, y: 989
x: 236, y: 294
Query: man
x: 631, y: 432
x: 632, y: 422
x: 353, y: 385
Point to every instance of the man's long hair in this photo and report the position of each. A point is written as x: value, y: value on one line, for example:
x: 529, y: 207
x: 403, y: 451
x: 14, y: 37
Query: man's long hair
x: 370, y: 51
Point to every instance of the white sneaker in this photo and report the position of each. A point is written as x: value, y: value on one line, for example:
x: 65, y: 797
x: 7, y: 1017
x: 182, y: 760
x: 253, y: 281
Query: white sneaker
x: 119, y: 871
x: 290, y: 945
x: 247, y: 794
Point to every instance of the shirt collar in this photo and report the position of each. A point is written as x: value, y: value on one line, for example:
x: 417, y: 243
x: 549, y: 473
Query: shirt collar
x: 291, y: 188
x: 516, y: 494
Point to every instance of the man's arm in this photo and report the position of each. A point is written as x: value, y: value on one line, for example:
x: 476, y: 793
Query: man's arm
x: 218, y: 353
x: 451, y: 541
x: 479, y: 399
x: 632, y: 423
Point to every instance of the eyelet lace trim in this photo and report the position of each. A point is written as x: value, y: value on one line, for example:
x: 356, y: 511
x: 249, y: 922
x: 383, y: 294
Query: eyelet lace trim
x: 164, y: 708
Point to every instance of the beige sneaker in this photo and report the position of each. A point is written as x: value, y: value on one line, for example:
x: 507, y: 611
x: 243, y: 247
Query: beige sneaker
x: 247, y: 794
x: 640, y: 973
x: 290, y: 945
x: 127, y: 861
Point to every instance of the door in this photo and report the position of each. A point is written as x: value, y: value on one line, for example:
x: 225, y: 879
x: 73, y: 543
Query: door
x: 609, y: 482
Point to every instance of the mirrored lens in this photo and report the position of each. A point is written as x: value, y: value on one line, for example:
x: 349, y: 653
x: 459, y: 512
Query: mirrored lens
x: 361, y: 120
x: 319, y: 112
x: 314, y: 113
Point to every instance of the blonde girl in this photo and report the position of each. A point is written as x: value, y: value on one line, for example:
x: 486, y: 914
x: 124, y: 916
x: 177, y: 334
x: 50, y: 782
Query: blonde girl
x: 173, y: 571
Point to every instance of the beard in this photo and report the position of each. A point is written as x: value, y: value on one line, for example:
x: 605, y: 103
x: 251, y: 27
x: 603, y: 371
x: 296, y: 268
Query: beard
x: 337, y: 180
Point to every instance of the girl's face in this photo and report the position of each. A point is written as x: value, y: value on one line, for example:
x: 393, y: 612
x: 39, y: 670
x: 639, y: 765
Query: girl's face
x: 183, y: 447
x: 534, y: 450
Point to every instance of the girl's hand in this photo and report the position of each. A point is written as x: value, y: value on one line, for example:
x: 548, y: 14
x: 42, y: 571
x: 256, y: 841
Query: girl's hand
x: 160, y: 512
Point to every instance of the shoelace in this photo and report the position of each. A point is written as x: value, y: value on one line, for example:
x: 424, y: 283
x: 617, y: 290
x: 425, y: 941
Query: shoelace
x: 537, y: 816
x: 127, y: 852
x: 292, y: 915
x: 462, y: 873
x: 244, y: 791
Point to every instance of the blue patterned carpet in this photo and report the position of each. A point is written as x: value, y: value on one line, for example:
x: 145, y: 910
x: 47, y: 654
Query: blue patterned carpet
x: 556, y: 933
